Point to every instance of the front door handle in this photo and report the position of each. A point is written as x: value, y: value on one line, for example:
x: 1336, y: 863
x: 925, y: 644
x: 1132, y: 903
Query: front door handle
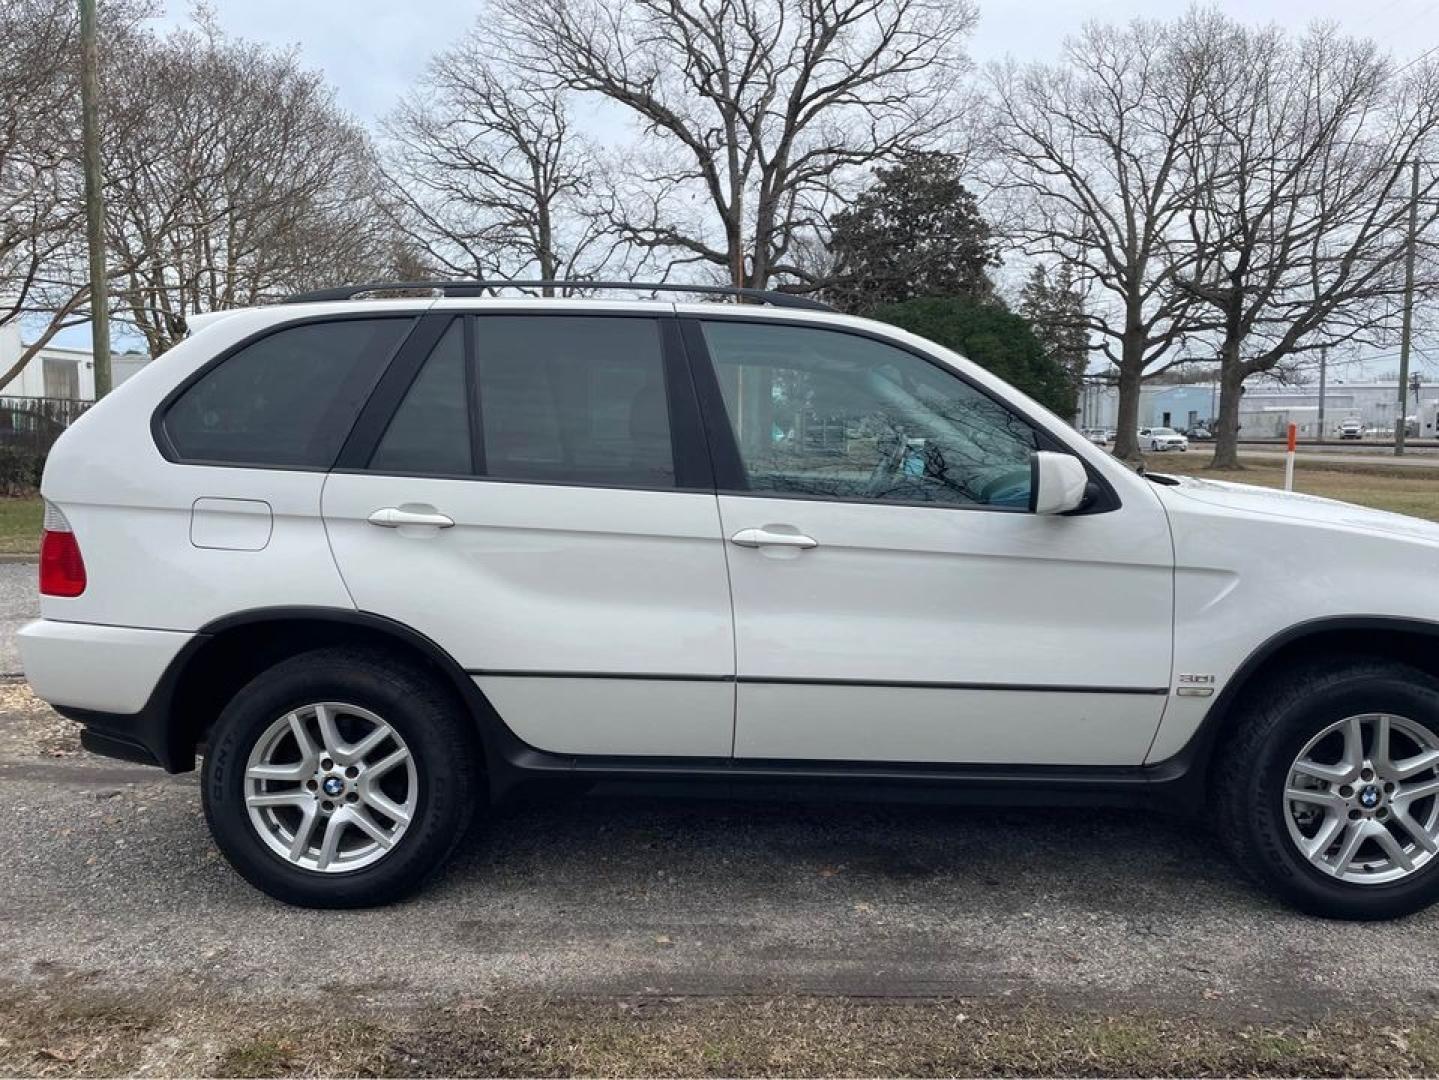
x: 773, y: 536
x: 392, y: 517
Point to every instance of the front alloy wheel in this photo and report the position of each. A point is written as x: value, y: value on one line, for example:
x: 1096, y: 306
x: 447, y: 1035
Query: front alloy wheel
x: 1363, y: 799
x: 1327, y: 786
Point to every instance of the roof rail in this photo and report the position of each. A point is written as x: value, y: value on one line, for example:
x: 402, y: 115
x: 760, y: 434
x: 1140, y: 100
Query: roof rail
x: 479, y: 288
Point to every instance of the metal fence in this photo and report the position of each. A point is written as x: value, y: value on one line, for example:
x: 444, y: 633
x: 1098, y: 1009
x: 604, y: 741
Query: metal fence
x: 35, y: 423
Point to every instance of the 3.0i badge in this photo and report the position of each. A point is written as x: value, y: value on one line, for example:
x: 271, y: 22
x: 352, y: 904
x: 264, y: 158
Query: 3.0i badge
x: 1194, y: 684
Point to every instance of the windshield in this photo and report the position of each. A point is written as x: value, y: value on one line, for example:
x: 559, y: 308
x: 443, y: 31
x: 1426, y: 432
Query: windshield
x: 1165, y: 431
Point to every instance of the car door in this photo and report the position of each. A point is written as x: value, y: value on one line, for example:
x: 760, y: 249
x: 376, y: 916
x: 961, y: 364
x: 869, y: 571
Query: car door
x: 894, y: 599
x: 531, y: 492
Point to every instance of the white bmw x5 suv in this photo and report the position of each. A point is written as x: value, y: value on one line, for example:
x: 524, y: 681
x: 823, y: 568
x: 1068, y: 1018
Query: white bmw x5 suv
x: 382, y: 562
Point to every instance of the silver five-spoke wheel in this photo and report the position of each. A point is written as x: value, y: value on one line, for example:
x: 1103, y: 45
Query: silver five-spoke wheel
x: 1362, y: 798
x: 331, y: 787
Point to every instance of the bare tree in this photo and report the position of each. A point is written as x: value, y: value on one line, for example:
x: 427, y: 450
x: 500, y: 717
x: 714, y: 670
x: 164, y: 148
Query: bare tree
x: 232, y: 179
x: 752, y: 111
x: 41, y: 253
x: 1089, y: 157
x: 490, y: 177
x: 1302, y: 182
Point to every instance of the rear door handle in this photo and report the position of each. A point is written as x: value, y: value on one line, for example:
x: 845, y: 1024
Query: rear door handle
x: 392, y: 517
x: 771, y: 536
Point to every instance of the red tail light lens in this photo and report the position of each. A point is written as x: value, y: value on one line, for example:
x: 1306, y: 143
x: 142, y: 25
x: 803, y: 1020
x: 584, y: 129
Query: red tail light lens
x: 62, y: 568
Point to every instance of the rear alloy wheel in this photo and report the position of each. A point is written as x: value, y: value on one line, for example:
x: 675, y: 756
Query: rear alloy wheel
x: 341, y: 778
x: 1328, y: 789
x: 331, y: 787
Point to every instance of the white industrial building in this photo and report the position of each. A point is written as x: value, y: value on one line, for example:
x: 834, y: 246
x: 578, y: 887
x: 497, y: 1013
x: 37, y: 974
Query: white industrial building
x: 56, y: 371
x: 1266, y: 410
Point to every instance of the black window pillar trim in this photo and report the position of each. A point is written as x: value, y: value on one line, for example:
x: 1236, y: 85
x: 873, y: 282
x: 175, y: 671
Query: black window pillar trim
x: 693, y: 450
x: 473, y: 413
x: 390, y: 391
x: 728, y: 466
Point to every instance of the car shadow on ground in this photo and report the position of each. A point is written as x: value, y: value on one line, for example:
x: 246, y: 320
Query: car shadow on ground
x: 965, y: 857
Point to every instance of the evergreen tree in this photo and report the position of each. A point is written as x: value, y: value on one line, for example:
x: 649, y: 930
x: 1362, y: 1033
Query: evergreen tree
x: 1054, y: 309
x: 993, y: 337
x: 916, y: 232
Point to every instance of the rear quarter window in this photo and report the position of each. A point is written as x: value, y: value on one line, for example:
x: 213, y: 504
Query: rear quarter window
x: 286, y: 400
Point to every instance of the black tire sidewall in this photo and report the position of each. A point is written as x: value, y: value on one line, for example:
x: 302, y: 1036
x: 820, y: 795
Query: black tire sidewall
x: 427, y: 722
x: 1285, y: 867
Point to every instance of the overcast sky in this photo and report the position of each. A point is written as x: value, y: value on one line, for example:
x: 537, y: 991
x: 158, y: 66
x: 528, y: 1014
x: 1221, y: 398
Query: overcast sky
x: 372, y: 50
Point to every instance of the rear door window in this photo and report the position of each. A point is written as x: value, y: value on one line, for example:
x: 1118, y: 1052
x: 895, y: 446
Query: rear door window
x: 287, y: 400
x: 430, y: 432
x: 573, y: 400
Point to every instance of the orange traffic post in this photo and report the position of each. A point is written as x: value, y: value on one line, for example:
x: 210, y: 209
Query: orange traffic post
x: 1289, y: 458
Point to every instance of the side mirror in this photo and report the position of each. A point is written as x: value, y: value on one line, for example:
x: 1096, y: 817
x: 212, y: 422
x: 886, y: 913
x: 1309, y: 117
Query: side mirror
x: 1057, y: 483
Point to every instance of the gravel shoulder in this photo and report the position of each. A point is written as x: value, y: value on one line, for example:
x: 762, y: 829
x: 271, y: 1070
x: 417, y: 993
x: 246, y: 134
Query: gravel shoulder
x: 624, y: 934
x: 193, y: 1031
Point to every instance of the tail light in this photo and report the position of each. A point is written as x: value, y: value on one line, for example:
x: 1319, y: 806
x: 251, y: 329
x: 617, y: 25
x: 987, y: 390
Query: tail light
x: 62, y: 569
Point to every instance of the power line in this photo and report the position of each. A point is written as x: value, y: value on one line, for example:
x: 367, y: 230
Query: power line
x: 1422, y: 56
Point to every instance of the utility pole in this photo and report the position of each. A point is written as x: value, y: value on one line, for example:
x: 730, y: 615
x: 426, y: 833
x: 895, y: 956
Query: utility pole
x: 1323, y: 373
x: 94, y: 199
x: 1401, y: 423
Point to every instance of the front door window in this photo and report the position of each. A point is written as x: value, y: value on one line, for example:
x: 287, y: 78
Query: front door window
x: 823, y: 414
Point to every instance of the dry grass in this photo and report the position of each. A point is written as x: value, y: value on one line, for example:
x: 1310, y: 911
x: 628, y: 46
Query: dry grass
x: 29, y: 727
x: 72, y: 1032
x: 1414, y: 492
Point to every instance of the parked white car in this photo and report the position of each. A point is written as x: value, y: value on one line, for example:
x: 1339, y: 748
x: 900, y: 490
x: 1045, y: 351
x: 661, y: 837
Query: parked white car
x: 383, y: 562
x: 1160, y: 439
x: 1351, y: 429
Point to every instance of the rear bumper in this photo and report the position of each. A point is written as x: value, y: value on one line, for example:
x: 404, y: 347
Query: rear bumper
x: 116, y: 680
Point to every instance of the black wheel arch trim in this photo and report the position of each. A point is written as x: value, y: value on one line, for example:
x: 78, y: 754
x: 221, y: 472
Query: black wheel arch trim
x: 509, y: 761
x: 1191, y: 762
x: 152, y: 736
x: 500, y: 744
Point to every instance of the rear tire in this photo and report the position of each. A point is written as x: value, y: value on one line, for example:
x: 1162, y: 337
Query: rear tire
x: 1299, y: 724
x: 388, y: 838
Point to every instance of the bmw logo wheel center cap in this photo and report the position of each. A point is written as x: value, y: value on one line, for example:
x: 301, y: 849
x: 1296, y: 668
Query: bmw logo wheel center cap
x: 333, y: 786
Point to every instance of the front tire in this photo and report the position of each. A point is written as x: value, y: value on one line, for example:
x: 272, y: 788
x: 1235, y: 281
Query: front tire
x: 1328, y: 791
x: 340, y: 778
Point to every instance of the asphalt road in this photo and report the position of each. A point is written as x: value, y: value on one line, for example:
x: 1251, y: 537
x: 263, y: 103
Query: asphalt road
x: 19, y: 603
x: 107, y: 874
